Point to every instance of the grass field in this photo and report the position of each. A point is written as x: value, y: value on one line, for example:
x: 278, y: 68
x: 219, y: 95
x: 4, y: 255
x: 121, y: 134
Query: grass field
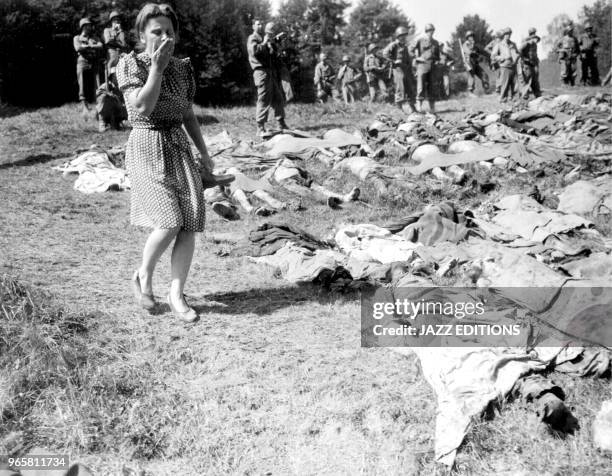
x: 271, y: 380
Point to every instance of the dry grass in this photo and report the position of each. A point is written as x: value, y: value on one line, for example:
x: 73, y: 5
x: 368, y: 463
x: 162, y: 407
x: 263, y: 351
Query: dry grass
x: 272, y: 380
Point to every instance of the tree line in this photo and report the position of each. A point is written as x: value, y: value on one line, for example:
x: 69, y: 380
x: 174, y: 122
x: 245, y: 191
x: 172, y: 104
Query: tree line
x: 37, y: 61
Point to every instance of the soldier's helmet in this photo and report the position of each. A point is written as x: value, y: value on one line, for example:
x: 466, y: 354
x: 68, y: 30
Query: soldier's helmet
x: 507, y: 31
x: 469, y: 34
x: 83, y: 22
x: 346, y: 58
x: 372, y: 47
x: 429, y: 27
x: 401, y: 31
x: 498, y: 34
x: 270, y: 28
x: 114, y: 14
x: 531, y: 31
x: 588, y: 26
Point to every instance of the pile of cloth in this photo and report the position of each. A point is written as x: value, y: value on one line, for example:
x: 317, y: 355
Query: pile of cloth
x: 96, y: 170
x: 500, y: 250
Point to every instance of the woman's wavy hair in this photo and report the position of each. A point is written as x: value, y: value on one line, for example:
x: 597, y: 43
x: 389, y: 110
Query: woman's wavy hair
x: 153, y: 10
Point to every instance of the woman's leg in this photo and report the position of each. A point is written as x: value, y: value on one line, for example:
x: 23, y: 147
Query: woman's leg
x: 156, y: 244
x: 182, y: 253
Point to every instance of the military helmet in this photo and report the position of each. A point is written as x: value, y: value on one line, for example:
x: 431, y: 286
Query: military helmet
x: 270, y: 28
x: 531, y: 31
x: 468, y: 34
x: 372, y: 47
x: 114, y: 14
x: 429, y: 27
x: 401, y: 31
x: 346, y: 58
x: 498, y: 34
x: 83, y: 22
x: 588, y: 26
x: 507, y: 31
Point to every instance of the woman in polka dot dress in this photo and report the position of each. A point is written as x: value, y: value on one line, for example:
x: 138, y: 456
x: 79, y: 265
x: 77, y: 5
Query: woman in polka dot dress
x: 167, y: 190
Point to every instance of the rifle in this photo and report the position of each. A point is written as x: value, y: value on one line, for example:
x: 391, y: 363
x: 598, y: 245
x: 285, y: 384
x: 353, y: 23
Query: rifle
x: 462, y: 52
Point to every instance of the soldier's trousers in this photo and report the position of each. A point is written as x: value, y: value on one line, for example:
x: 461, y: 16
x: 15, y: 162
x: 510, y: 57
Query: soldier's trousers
x: 477, y: 72
x: 590, y: 72
x: 529, y: 79
x: 497, y: 72
x: 425, y: 85
x: 269, y: 96
x: 446, y: 85
x: 381, y: 85
x: 403, y: 82
x: 508, y: 83
x: 88, y: 79
x: 348, y: 93
x: 324, y: 92
x: 568, y: 71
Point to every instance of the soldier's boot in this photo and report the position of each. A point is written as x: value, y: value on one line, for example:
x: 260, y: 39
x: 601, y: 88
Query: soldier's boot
x: 282, y: 124
x: 261, y: 129
x: 412, y: 106
x: 419, y: 106
x: 432, y: 107
x: 84, y: 107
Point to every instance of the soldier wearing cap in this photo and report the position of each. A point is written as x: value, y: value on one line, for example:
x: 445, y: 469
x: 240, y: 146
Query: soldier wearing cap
x: 397, y: 53
x: 588, y: 57
x: 529, y: 65
x: 426, y: 51
x: 375, y: 73
x: 348, y: 77
x: 265, y: 61
x: 114, y: 41
x: 506, y: 55
x: 471, y: 60
x: 324, y: 78
x: 492, y: 64
x: 568, y: 50
x: 89, y: 52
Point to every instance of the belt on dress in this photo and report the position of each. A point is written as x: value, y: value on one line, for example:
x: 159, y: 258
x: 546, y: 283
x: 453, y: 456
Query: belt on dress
x: 163, y: 126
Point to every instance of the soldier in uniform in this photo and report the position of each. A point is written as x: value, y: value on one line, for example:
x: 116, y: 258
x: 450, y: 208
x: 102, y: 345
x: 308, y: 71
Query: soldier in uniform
x: 588, y: 57
x: 444, y: 67
x: 397, y: 53
x: 568, y: 49
x: 264, y: 58
x: 529, y: 65
x: 89, y: 52
x: 426, y: 52
x: 506, y: 55
x: 114, y: 41
x: 348, y: 77
x: 492, y: 64
x: 471, y: 59
x: 324, y: 78
x: 375, y: 73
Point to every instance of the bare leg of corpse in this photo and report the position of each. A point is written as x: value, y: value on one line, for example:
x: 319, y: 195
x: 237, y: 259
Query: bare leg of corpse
x: 243, y: 200
x: 270, y: 200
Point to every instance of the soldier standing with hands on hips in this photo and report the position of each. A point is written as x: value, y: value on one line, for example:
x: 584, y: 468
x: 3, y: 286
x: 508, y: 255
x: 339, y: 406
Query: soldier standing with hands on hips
x: 397, y: 53
x: 506, y: 55
x: 426, y: 51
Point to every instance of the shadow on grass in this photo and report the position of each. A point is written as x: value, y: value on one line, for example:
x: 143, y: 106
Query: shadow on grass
x: 329, y: 125
x: 206, y: 119
x: 29, y: 160
x: 267, y: 301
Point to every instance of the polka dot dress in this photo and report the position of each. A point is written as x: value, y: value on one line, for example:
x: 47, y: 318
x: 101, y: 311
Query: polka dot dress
x: 167, y: 188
